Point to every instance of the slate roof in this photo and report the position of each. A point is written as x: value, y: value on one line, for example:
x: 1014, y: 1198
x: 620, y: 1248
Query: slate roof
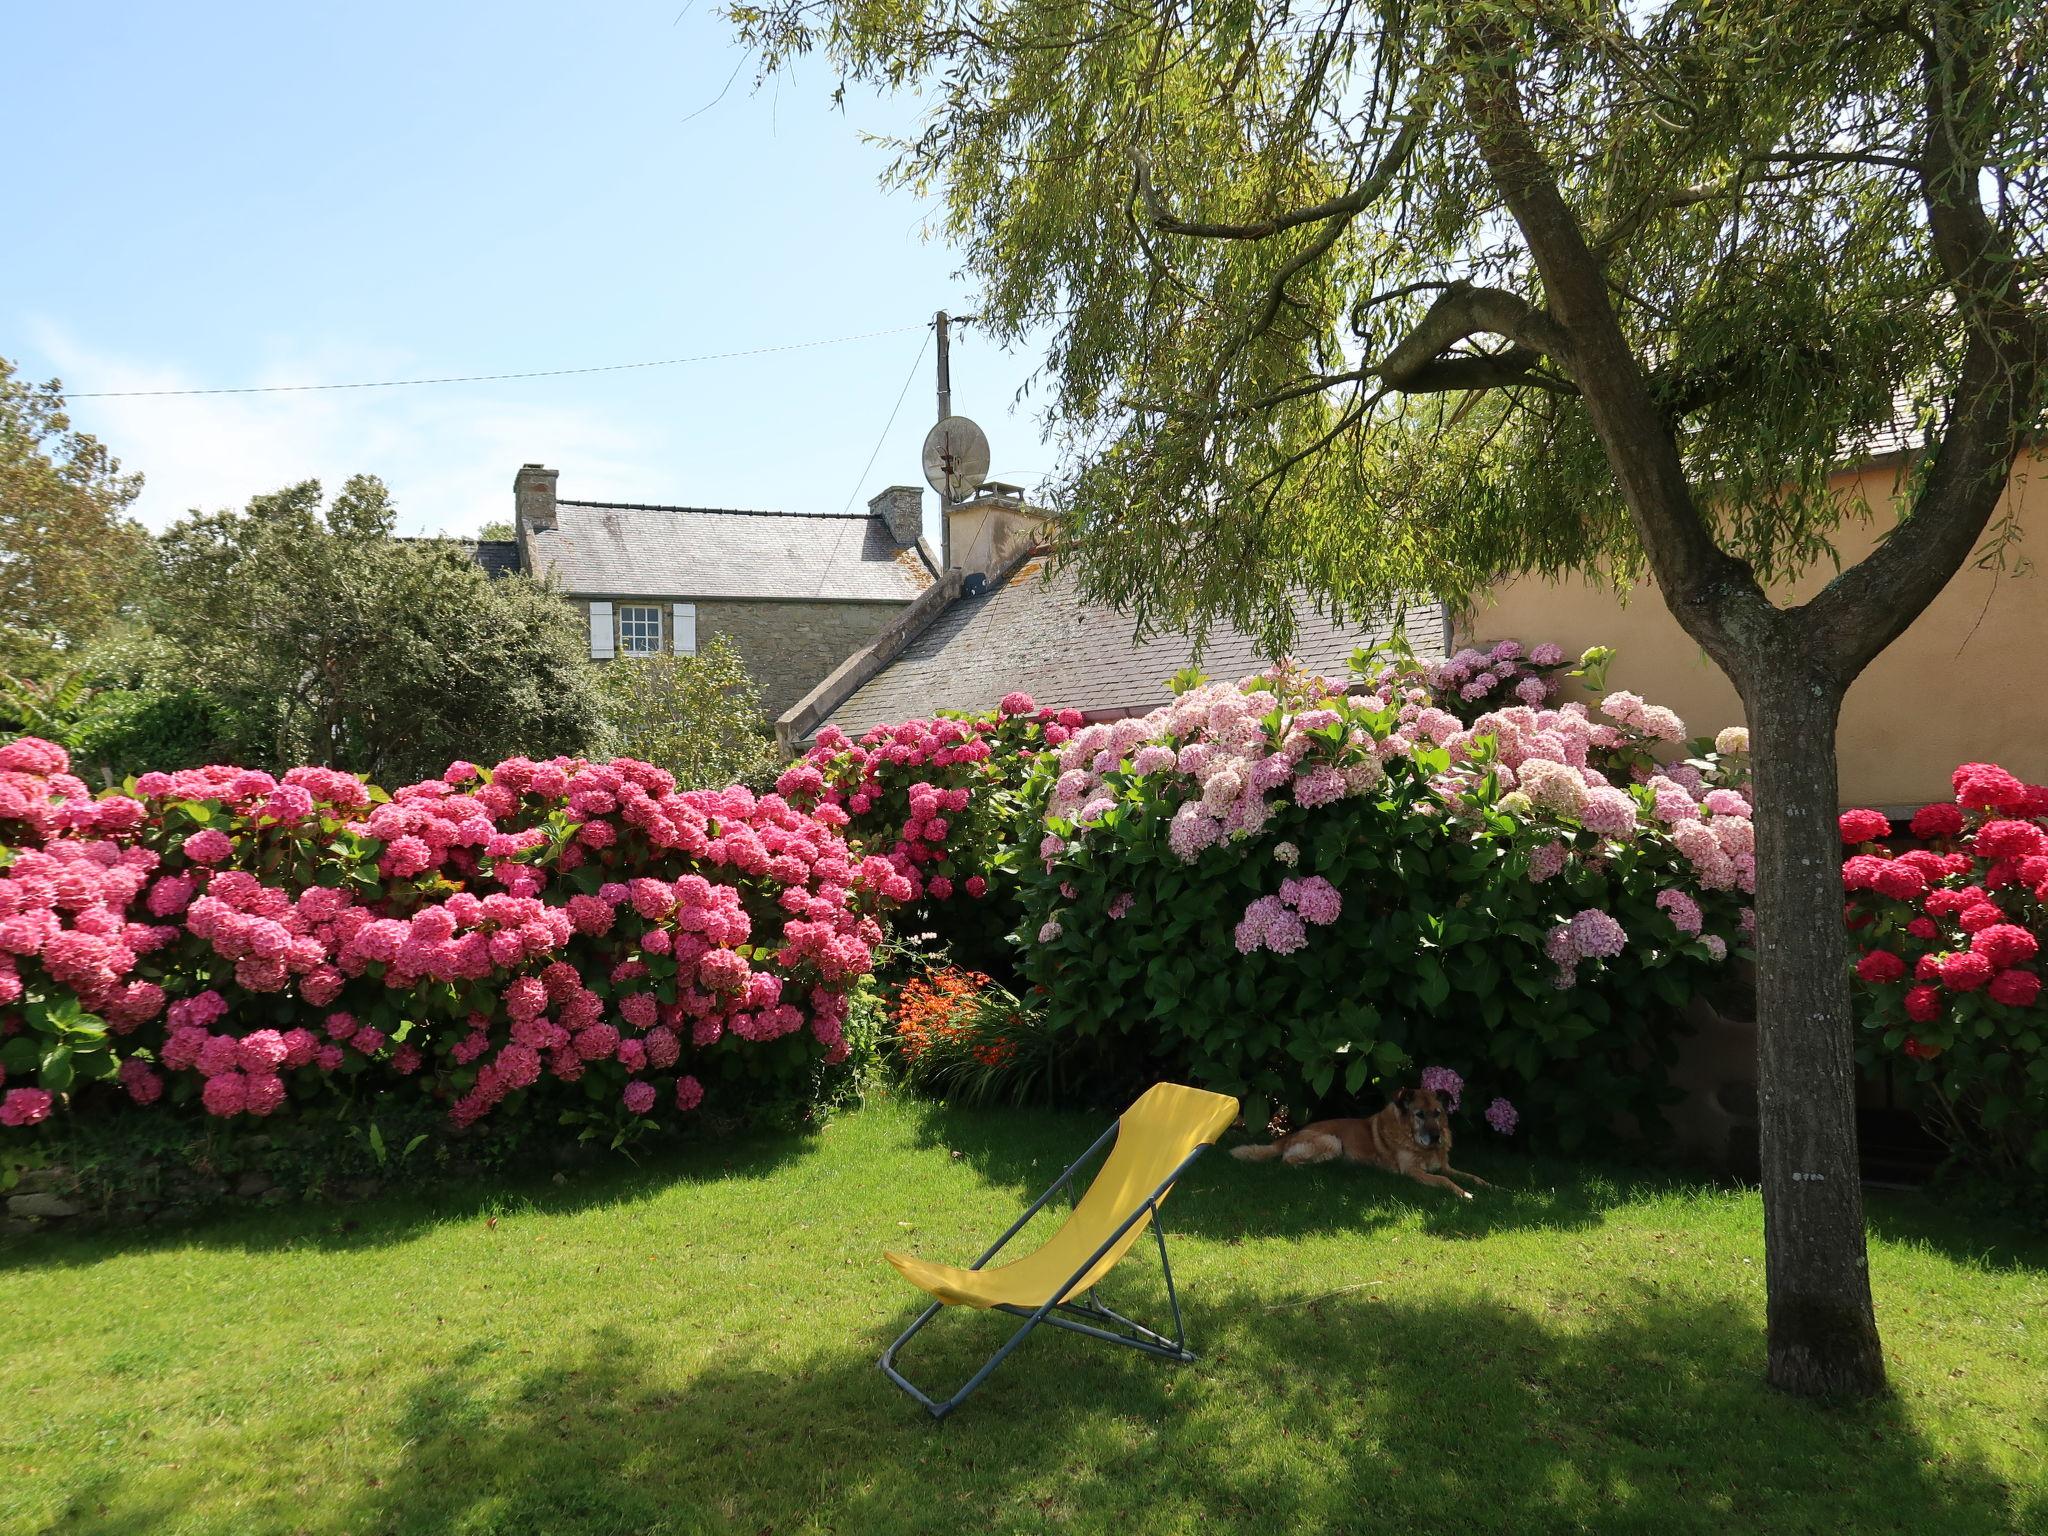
x: 1038, y: 636
x: 498, y: 557
x: 631, y: 549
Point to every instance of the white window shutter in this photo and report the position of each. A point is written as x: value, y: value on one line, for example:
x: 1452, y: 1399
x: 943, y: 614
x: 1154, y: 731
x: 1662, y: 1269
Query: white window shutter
x: 686, y: 629
x: 600, y: 631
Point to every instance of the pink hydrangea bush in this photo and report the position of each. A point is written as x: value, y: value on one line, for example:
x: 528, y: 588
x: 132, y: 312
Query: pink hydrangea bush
x: 569, y: 934
x: 1317, y: 881
x: 937, y: 799
x: 1948, y: 922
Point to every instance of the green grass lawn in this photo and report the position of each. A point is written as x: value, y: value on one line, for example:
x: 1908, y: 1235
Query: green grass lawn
x: 690, y: 1346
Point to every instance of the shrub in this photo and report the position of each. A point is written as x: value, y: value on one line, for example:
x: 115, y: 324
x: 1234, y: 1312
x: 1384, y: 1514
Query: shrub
x: 699, y: 717
x: 110, y: 726
x: 955, y: 1033
x: 317, y: 633
x: 942, y: 800
x: 1947, y: 974
x: 570, y: 938
x: 1288, y: 891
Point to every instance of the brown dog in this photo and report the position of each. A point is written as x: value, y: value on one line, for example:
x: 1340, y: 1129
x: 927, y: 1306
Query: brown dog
x: 1412, y: 1135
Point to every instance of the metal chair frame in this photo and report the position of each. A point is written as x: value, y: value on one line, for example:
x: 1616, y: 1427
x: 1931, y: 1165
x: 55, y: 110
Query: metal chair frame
x: 1136, y: 1336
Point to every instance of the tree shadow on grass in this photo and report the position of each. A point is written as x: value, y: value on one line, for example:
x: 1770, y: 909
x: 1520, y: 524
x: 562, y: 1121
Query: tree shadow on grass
x: 1353, y: 1414
x: 399, y: 1212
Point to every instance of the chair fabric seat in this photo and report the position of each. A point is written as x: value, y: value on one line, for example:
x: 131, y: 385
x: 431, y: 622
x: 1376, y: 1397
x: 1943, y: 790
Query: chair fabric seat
x: 1154, y: 1136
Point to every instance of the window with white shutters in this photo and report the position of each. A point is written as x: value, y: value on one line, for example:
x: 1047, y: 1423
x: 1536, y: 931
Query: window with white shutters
x: 639, y: 629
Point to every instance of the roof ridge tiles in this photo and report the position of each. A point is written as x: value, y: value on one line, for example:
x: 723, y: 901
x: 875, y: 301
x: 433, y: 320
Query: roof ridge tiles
x: 650, y: 506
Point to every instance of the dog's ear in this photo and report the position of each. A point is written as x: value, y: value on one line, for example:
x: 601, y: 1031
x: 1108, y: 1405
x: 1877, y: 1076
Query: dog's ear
x: 1401, y: 1097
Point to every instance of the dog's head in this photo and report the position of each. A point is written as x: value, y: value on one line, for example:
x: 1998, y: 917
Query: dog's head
x: 1424, y: 1112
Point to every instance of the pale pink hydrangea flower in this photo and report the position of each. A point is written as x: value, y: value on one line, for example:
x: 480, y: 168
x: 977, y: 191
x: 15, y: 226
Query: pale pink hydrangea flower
x: 1191, y: 831
x: 1683, y: 911
x: 1596, y: 935
x: 1318, y: 901
x: 1321, y: 785
x: 1610, y: 812
x: 1726, y: 802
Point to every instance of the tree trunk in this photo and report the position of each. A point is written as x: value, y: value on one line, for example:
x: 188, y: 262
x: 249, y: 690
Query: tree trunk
x: 1823, y: 1332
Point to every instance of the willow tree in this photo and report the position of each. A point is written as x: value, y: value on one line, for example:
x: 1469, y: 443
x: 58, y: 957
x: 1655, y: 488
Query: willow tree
x: 1377, y: 296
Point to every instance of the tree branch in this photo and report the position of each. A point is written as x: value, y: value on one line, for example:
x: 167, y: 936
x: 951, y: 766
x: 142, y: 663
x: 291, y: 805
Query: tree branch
x: 1997, y: 389
x: 1712, y: 594
x: 1462, y: 311
x: 1344, y: 208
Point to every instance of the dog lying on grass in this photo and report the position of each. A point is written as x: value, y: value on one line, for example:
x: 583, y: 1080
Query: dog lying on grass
x: 1412, y: 1135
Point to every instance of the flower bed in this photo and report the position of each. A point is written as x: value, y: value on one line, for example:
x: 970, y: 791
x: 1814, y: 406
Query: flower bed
x: 1290, y: 890
x: 1949, y: 936
x: 565, y: 938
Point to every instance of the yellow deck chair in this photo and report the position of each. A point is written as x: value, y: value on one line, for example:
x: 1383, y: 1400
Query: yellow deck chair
x: 1156, y: 1139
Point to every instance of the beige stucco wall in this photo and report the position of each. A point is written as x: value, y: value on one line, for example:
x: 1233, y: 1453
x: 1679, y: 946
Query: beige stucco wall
x: 1967, y: 682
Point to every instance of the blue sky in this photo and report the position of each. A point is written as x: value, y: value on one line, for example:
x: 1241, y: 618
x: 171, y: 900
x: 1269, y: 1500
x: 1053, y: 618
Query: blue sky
x: 226, y: 195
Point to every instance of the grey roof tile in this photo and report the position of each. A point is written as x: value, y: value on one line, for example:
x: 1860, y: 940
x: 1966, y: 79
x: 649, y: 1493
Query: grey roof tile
x: 693, y: 552
x: 1037, y: 636
x: 498, y: 557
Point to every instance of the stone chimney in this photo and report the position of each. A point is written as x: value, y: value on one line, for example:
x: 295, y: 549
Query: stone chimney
x: 533, y: 497
x: 987, y: 530
x: 902, y: 508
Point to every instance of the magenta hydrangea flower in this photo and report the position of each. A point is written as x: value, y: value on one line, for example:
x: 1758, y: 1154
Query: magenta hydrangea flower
x: 639, y: 1096
x: 26, y: 1106
x: 1444, y: 1083
x: 208, y: 847
x: 1502, y: 1116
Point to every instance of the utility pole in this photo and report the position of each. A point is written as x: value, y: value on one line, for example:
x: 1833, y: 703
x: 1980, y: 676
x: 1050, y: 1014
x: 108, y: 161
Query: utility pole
x: 942, y: 323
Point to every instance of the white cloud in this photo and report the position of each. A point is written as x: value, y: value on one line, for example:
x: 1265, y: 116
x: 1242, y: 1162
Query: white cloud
x: 448, y: 452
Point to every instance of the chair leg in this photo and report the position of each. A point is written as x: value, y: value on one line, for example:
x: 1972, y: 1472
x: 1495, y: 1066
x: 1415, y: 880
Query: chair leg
x: 939, y: 1409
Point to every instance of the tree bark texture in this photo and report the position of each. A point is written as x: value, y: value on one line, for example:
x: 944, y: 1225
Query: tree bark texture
x: 1823, y: 1337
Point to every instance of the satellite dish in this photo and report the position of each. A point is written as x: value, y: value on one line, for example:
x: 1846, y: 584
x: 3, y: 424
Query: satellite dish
x: 955, y: 458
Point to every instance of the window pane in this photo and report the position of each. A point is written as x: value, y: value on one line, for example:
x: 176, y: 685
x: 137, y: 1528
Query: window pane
x: 639, y: 630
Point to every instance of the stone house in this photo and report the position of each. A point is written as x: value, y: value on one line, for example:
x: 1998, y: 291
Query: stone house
x: 1000, y: 621
x: 794, y: 592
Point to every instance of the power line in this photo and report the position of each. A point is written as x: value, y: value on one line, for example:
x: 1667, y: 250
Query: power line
x: 901, y: 395
x: 485, y: 378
